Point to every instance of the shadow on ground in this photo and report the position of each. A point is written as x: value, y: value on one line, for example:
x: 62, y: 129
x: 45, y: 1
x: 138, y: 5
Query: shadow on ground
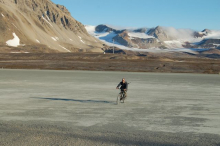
x: 75, y: 100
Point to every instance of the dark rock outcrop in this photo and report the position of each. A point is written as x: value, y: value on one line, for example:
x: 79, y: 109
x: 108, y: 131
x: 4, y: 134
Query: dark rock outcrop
x: 123, y: 39
x: 209, y: 43
x: 103, y: 28
x: 141, y: 30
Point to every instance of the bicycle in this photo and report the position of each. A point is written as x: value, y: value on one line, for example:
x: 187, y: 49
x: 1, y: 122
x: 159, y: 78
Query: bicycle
x: 121, y: 96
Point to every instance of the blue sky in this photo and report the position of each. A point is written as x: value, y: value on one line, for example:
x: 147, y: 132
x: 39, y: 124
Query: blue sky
x: 193, y: 14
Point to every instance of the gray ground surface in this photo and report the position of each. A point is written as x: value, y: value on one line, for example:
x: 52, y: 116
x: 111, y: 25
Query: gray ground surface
x: 78, y: 108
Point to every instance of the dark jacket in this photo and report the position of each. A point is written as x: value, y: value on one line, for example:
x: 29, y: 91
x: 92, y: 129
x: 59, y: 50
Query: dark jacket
x: 123, y: 86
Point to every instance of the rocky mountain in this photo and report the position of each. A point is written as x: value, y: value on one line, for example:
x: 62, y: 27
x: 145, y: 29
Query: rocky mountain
x: 159, y: 38
x: 42, y: 26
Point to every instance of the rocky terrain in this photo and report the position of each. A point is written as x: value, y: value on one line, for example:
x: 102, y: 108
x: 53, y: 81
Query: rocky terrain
x: 150, y: 62
x: 42, y: 26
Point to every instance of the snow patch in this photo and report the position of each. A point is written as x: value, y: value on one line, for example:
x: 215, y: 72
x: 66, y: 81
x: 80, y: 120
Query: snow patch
x: 15, y: 42
x: 81, y: 40
x: 154, y: 50
x: 47, y: 16
x: 103, y: 36
x: 216, y: 45
x: 55, y: 38
x: 19, y: 52
x: 174, y: 44
x: 70, y: 39
x: 47, y: 21
x: 3, y: 15
x: 37, y: 41
x: 65, y: 48
x: 139, y: 35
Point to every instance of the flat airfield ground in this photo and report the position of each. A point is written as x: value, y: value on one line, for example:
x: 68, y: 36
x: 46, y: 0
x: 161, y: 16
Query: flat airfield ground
x: 47, y: 107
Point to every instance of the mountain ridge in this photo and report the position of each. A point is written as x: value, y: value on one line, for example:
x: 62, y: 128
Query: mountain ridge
x: 41, y: 23
x: 157, y: 38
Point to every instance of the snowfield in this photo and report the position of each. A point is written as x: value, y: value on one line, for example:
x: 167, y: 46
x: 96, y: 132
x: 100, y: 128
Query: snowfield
x: 139, y: 35
x: 15, y: 42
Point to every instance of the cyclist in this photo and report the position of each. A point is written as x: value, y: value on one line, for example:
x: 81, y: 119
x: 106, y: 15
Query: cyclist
x: 124, y: 88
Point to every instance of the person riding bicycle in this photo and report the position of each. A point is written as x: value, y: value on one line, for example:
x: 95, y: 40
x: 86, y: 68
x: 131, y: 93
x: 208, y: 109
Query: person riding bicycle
x: 124, y: 87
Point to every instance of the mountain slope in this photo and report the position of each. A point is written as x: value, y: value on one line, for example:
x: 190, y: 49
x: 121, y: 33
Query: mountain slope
x: 28, y: 24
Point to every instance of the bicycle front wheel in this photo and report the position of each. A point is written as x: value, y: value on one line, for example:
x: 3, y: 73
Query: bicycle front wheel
x: 118, y: 98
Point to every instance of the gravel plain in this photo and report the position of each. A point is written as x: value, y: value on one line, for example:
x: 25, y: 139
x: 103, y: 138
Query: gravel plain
x: 47, y: 107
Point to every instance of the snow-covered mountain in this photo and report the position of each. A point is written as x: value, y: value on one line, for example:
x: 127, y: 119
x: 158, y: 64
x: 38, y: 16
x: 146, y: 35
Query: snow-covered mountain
x: 42, y: 26
x: 158, y: 38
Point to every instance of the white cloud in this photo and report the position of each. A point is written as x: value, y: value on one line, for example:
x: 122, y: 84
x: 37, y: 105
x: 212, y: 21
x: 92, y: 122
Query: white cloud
x: 214, y: 34
x: 188, y: 34
x: 183, y: 34
x: 90, y: 28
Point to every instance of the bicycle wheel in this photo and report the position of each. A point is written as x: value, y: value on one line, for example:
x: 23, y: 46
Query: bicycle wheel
x: 118, y: 98
x: 123, y: 96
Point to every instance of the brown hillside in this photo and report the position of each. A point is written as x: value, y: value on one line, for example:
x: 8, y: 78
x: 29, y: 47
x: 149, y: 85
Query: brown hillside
x: 41, y: 22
